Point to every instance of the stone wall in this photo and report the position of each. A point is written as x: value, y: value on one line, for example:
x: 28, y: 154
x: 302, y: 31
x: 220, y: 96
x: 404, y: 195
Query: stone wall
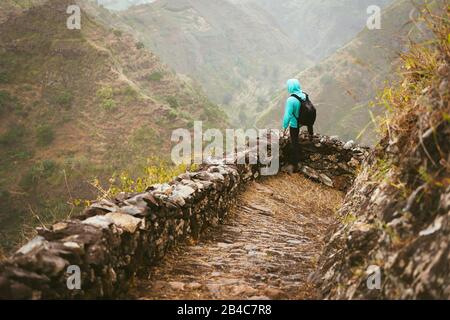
x: 116, y: 238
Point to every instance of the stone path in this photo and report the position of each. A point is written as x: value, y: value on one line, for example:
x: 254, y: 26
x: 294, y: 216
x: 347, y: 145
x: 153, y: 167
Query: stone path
x: 266, y: 249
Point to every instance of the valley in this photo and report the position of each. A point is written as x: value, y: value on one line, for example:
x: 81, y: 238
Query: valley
x: 220, y: 43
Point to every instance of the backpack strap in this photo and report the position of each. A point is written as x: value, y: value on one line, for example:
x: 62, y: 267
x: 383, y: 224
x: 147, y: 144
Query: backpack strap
x: 301, y: 101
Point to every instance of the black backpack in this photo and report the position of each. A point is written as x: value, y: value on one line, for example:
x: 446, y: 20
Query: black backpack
x: 308, y: 112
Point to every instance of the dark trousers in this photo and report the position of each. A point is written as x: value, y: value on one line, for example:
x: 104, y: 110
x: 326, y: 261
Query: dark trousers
x: 294, y: 154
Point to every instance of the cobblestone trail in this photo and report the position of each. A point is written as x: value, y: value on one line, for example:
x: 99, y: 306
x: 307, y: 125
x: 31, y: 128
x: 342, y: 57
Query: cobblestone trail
x: 266, y: 249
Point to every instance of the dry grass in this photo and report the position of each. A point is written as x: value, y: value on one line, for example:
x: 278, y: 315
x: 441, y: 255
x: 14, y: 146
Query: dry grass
x: 418, y: 104
x: 308, y: 196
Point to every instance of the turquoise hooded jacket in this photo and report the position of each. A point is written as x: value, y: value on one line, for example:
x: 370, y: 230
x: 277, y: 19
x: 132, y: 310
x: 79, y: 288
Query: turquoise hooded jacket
x: 292, y: 104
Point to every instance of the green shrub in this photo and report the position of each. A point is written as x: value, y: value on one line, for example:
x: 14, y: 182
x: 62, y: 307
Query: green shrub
x: 105, y: 93
x: 172, y: 115
x: 129, y: 93
x: 109, y: 104
x: 13, y: 135
x: 48, y: 167
x: 30, y: 178
x: 7, y: 102
x: 4, y: 78
x: 45, y: 135
x: 140, y: 45
x: 37, y: 172
x: 23, y: 155
x: 117, y: 33
x: 63, y: 99
x: 155, y: 76
x: 27, y: 87
x: 106, y: 96
x: 144, y: 137
x: 173, y: 102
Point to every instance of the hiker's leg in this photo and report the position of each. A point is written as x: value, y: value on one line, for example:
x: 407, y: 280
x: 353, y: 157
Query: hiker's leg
x: 295, y: 146
x: 311, y: 130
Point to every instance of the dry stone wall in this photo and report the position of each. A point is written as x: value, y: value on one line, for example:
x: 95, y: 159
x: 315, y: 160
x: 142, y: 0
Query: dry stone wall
x: 114, y: 239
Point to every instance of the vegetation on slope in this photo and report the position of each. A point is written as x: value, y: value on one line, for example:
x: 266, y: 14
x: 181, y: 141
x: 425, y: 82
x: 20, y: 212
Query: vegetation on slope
x: 343, y: 85
x: 79, y: 104
x: 238, y: 57
x: 320, y: 26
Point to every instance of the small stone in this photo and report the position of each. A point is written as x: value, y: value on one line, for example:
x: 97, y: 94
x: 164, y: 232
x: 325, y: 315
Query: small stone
x: 175, y: 285
x: 222, y: 245
x: 259, y: 298
x: 102, y: 222
x: 133, y: 210
x: 250, y: 247
x: 104, y: 205
x: 35, y: 243
x: 193, y: 286
x: 59, y: 226
x: 326, y: 180
x: 125, y: 221
x: 244, y: 290
x: 443, y: 87
x: 443, y: 69
x: 177, y: 199
x: 349, y: 145
x: 72, y: 245
x: 295, y: 242
x: 183, y: 191
x: 309, y: 172
x: 213, y: 287
x: 435, y: 226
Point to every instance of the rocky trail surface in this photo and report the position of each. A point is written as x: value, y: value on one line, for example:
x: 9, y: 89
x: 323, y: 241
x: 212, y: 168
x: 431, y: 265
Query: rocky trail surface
x: 266, y: 248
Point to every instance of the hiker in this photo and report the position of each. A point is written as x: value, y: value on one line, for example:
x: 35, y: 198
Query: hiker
x: 292, y: 120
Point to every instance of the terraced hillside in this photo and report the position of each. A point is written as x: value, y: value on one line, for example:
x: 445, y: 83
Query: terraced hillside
x: 79, y: 104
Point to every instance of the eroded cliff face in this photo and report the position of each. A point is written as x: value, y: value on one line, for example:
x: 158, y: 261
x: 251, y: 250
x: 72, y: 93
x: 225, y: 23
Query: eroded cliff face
x: 395, y: 220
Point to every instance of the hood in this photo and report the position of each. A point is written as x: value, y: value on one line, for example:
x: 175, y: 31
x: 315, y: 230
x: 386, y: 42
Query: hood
x: 294, y: 87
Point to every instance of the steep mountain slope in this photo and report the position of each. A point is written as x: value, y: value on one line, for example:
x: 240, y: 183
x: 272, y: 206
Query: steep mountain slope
x: 239, y: 58
x: 342, y: 85
x: 319, y: 26
x: 76, y: 104
x: 10, y: 7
